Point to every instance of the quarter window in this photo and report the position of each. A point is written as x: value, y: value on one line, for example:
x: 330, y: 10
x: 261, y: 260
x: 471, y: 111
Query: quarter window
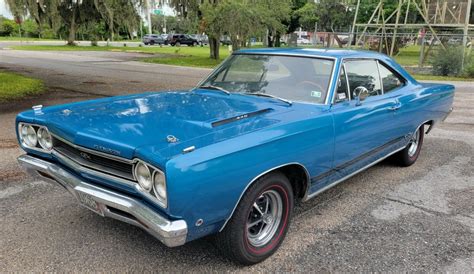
x: 342, y: 92
x: 390, y: 80
x: 364, y: 80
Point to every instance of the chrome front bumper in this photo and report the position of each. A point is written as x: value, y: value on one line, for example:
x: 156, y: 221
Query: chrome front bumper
x: 109, y: 203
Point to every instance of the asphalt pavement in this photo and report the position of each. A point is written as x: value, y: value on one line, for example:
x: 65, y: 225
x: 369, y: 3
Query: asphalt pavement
x: 388, y: 218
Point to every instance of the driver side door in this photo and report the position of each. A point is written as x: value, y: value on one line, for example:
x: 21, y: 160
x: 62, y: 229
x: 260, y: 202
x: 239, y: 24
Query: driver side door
x: 364, y: 117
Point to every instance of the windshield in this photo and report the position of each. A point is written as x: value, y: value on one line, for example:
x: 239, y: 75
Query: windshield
x: 292, y: 78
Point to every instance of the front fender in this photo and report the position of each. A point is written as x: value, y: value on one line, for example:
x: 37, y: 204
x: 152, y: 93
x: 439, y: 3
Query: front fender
x: 207, y: 183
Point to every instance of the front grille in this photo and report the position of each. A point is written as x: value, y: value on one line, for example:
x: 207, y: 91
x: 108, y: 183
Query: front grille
x: 96, y: 161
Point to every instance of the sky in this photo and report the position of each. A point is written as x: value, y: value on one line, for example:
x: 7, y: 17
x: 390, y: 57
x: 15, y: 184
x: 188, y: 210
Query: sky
x: 3, y: 10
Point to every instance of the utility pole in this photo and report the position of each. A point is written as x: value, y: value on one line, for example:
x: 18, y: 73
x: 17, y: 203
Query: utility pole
x: 351, y: 37
x: 148, y: 15
x: 465, y: 32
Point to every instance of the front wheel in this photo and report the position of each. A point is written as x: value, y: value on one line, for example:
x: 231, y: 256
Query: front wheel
x: 260, y: 221
x: 410, y: 153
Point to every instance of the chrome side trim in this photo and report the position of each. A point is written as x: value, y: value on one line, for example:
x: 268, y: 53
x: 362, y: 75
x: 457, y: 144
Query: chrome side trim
x: 312, y: 195
x: 110, y: 204
x: 257, y: 177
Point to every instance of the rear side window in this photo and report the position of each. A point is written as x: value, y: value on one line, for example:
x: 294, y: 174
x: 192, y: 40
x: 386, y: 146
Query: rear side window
x: 390, y: 80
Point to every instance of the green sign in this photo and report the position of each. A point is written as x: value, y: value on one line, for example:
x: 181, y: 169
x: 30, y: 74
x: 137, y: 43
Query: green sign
x: 157, y: 12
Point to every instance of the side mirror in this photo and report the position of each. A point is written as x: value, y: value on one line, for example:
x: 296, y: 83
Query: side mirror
x: 360, y: 93
x: 358, y: 102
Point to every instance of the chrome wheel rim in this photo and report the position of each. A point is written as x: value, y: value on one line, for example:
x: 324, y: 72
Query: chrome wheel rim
x: 414, y: 143
x: 264, y: 218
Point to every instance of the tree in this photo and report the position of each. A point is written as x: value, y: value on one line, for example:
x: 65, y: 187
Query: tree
x: 70, y: 14
x: 308, y: 17
x: 273, y: 14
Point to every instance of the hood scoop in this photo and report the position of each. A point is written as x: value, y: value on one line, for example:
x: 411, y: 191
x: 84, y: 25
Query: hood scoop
x: 240, y: 117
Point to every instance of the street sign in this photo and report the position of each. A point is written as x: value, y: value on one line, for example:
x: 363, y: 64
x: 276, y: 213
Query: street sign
x: 157, y: 12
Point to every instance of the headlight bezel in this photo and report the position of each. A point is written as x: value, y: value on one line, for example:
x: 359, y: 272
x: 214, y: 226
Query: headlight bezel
x: 155, y: 190
x: 151, y: 194
x: 40, y: 137
x: 36, y: 146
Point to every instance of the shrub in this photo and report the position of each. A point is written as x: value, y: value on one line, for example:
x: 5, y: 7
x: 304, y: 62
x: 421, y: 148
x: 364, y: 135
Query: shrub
x: 469, y: 68
x: 448, y: 61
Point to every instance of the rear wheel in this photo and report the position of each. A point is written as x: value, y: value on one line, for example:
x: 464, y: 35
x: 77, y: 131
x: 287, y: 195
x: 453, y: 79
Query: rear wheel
x: 260, y: 221
x: 410, y: 153
x: 195, y: 44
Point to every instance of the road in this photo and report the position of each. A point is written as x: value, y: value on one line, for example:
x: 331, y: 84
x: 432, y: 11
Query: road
x: 419, y: 218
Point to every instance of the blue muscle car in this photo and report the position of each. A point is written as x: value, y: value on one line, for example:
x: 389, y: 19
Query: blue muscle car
x: 231, y: 156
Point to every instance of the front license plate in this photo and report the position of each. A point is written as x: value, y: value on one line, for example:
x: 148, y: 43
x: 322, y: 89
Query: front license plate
x: 87, y: 201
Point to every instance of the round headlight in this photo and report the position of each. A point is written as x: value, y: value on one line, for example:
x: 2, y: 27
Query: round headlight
x: 159, y: 185
x: 28, y: 135
x: 143, y: 174
x: 44, y: 138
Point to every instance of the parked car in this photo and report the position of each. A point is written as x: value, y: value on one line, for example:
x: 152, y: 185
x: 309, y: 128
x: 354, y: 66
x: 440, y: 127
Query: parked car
x: 302, y: 41
x: 201, y: 38
x: 152, y: 39
x: 182, y: 39
x: 225, y: 40
x: 231, y: 156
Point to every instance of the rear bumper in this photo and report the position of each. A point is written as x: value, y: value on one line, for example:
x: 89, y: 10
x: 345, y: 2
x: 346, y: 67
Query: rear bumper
x: 109, y: 203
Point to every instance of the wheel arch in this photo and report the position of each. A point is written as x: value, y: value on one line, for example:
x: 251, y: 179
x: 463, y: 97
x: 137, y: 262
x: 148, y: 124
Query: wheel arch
x: 296, y: 173
x: 430, y: 124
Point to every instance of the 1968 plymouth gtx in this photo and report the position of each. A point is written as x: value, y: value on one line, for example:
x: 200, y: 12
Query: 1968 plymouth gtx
x: 231, y: 156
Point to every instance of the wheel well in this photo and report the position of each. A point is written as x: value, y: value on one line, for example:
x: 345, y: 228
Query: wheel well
x: 431, y: 124
x: 298, y: 177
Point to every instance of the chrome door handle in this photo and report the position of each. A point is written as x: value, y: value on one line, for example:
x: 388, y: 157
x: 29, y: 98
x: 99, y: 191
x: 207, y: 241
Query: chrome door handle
x: 395, y: 107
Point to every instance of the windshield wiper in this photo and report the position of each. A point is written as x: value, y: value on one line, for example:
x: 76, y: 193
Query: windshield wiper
x: 215, y: 88
x: 269, y: 96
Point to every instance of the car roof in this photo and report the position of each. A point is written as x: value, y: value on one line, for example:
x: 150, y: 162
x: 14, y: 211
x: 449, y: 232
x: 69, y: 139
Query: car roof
x: 333, y: 53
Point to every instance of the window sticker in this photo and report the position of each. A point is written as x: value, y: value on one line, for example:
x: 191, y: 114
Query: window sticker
x: 316, y: 94
x: 341, y: 96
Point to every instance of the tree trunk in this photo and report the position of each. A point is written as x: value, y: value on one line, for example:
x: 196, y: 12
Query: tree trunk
x: 235, y: 44
x: 214, y: 48
x: 270, y: 40
x: 72, y: 29
x: 276, y: 40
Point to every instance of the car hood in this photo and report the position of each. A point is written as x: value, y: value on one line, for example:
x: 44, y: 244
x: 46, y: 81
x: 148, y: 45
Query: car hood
x: 164, y: 122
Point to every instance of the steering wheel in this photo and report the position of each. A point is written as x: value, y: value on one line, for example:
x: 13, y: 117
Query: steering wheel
x: 309, y: 83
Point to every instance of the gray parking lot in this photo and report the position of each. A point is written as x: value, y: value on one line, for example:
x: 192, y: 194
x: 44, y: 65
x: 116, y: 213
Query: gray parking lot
x: 388, y: 218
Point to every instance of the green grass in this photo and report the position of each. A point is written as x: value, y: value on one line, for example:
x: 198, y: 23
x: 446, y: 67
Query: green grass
x: 441, y: 78
x: 15, y: 38
x: 14, y: 86
x: 408, y: 56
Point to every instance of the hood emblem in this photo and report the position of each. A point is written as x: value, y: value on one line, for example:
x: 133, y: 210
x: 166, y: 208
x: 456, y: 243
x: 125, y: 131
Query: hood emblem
x: 171, y: 139
x: 107, y: 150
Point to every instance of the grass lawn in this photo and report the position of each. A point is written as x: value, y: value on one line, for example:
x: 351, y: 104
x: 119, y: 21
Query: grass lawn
x: 14, y: 38
x: 441, y: 78
x: 13, y: 86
